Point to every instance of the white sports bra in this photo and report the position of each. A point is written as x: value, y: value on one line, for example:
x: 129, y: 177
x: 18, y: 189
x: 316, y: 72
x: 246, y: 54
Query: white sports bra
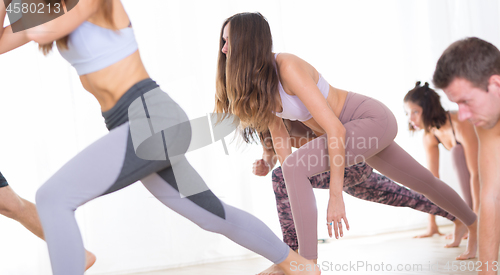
x: 293, y: 108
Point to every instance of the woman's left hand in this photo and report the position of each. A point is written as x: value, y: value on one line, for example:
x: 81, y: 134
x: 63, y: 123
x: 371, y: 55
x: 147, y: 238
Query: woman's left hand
x: 335, y: 215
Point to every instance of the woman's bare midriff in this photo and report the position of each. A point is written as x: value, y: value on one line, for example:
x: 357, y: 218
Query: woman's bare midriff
x: 109, y: 84
x: 336, y: 99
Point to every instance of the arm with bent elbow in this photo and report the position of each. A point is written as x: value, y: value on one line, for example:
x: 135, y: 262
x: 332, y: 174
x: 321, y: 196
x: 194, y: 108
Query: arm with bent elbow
x: 263, y: 166
x: 55, y: 27
x: 299, y: 135
x: 8, y: 39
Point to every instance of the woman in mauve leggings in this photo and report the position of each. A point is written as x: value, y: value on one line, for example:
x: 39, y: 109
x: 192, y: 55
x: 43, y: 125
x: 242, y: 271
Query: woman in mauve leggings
x: 366, y: 121
x: 262, y: 87
x: 359, y: 181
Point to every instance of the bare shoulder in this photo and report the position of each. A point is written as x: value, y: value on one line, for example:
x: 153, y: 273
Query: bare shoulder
x: 292, y: 67
x: 489, y: 135
x: 429, y: 140
x: 290, y: 61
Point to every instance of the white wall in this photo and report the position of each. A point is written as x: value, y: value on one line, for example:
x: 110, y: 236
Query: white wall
x: 376, y: 48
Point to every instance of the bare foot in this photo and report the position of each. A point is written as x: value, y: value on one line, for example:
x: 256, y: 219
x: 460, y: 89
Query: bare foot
x: 89, y: 259
x: 295, y: 264
x: 430, y: 232
x: 273, y: 270
x: 460, y: 230
x: 471, y: 250
x: 450, y: 236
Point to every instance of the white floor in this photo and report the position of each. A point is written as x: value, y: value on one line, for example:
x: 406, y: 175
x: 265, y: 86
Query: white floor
x: 368, y: 255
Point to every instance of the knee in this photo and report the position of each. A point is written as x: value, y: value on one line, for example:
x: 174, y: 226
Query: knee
x: 214, y: 224
x: 208, y: 225
x: 45, y: 198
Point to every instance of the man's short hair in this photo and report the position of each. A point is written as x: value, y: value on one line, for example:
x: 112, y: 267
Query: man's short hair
x: 472, y: 59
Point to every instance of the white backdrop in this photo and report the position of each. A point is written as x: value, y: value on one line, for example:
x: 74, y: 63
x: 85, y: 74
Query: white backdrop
x: 376, y: 48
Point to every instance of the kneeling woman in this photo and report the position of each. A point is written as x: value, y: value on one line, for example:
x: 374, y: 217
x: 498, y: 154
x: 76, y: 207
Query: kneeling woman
x: 262, y: 87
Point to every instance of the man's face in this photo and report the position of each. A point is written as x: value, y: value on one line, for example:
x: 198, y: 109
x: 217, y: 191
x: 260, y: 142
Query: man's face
x: 480, y: 107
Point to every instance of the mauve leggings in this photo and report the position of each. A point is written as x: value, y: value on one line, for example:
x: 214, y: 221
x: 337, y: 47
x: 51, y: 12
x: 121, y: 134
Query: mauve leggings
x: 359, y: 181
x: 370, y: 131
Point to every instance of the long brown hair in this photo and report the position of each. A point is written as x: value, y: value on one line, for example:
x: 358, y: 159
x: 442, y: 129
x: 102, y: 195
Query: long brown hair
x: 433, y: 113
x: 105, y: 8
x: 247, y: 78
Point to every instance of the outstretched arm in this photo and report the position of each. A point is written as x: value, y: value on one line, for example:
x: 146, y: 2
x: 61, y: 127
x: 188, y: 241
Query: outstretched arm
x: 8, y: 39
x: 489, y: 212
x: 297, y: 77
x: 470, y: 144
x: 299, y: 135
x: 431, y: 147
x: 50, y: 31
x: 3, y: 12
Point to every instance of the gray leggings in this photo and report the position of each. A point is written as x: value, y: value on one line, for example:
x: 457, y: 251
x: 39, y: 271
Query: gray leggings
x: 111, y: 163
x: 370, y: 131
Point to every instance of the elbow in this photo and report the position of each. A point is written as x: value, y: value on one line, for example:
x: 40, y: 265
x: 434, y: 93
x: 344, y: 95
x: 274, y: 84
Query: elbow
x: 338, y: 131
x: 39, y: 35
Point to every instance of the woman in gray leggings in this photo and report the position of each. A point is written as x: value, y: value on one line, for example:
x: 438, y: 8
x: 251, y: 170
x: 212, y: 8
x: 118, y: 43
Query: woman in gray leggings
x: 424, y: 111
x: 261, y: 88
x: 148, y: 136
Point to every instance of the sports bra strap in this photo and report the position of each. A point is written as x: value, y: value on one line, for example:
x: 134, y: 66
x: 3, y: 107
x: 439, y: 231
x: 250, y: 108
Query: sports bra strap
x: 451, y: 123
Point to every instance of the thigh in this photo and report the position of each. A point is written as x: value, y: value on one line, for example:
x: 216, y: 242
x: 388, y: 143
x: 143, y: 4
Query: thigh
x: 91, y: 172
x: 371, y: 128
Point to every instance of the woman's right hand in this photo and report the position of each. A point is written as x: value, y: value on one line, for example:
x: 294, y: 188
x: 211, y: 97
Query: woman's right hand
x: 261, y: 167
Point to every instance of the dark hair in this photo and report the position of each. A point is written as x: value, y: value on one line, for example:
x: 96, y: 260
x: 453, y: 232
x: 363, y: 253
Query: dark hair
x: 433, y: 114
x: 472, y: 59
x: 247, y: 80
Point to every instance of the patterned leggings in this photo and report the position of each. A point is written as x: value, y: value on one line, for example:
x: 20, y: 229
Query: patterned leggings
x: 360, y: 182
